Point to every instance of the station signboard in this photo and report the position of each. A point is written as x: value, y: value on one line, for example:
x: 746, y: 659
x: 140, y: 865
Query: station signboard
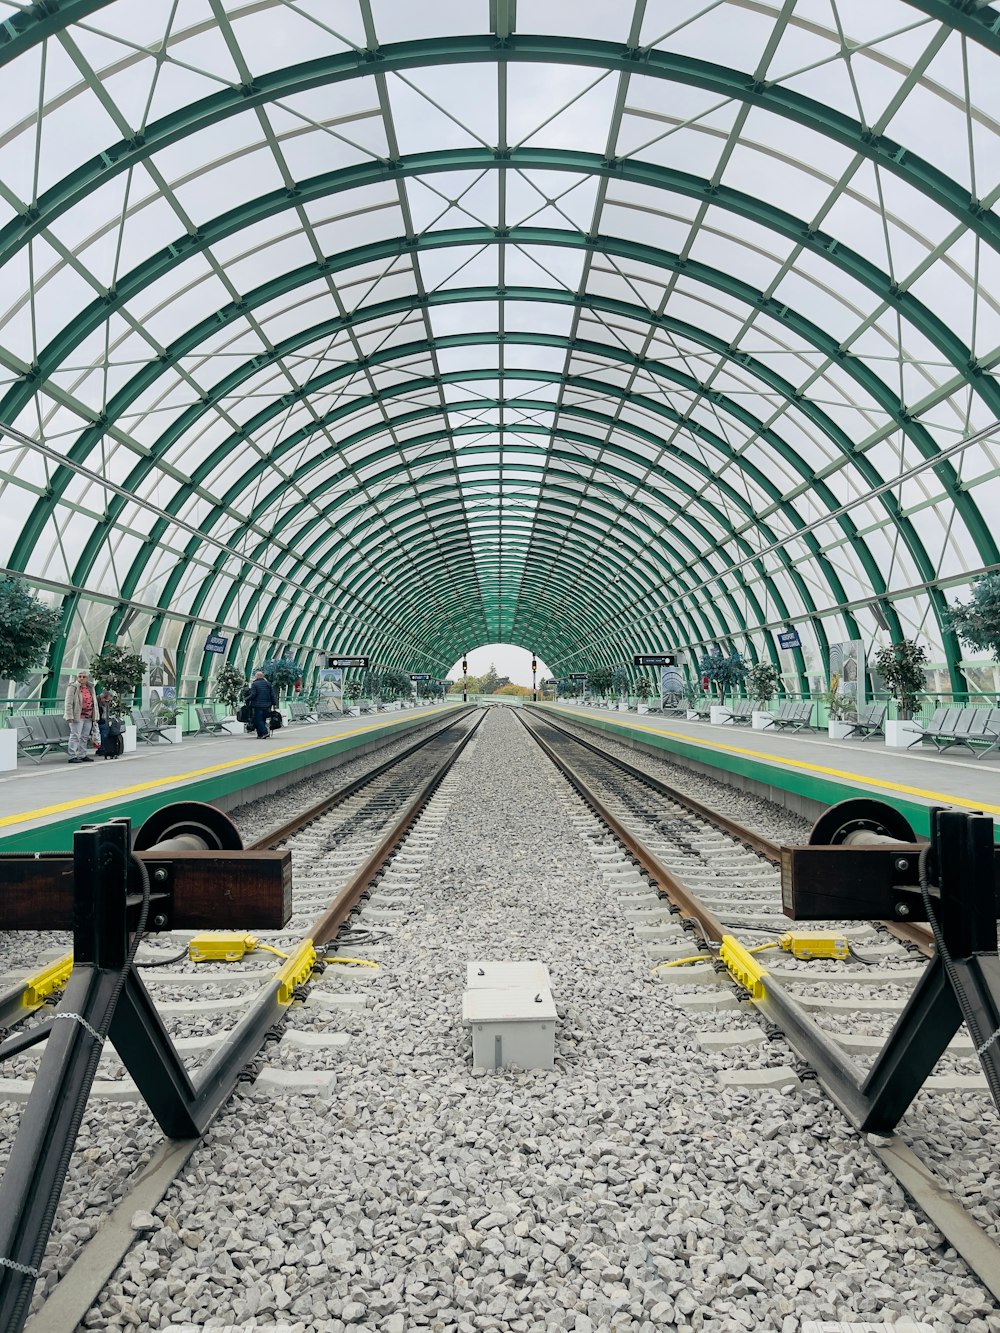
x: 654, y: 659
x: 420, y: 675
x: 216, y: 643
x: 789, y: 639
x: 578, y: 675
x: 347, y: 661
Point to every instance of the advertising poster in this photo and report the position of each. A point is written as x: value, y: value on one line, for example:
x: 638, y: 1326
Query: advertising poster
x: 331, y: 690
x: 159, y: 684
x: 847, y: 671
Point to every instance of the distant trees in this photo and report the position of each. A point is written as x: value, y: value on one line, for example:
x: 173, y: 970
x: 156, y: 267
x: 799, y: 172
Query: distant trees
x: 977, y: 621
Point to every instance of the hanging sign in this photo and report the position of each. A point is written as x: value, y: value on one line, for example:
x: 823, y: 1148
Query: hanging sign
x: 789, y: 638
x: 578, y: 675
x: 347, y: 661
x: 216, y: 643
x: 420, y: 675
x: 654, y: 659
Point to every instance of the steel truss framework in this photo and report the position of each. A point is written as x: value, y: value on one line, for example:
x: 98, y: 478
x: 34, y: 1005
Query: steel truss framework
x: 591, y: 328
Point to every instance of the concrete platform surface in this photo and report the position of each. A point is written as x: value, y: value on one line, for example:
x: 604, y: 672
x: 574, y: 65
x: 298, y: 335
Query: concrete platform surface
x: 41, y: 804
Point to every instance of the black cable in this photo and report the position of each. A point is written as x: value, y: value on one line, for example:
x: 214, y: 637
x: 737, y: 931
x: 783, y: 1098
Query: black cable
x: 162, y: 962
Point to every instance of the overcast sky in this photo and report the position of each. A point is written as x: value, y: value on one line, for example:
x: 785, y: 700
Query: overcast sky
x: 508, y: 659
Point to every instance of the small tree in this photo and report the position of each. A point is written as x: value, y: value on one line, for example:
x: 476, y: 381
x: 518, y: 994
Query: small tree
x: 599, y: 680
x: 724, y: 670
x: 26, y: 629
x: 977, y: 621
x: 282, y: 672
x: 643, y: 688
x: 901, y: 667
x: 619, y: 680
x: 120, y: 672
x: 762, y: 683
x: 228, y: 686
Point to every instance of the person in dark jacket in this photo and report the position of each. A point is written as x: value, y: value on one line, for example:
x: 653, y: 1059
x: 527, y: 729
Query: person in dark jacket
x: 260, y: 701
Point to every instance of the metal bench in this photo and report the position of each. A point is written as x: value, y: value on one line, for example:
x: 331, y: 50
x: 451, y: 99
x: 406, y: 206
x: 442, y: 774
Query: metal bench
x: 741, y: 712
x: 978, y: 729
x: 301, y: 712
x: 26, y: 741
x: 703, y: 708
x: 48, y: 731
x: 793, y: 716
x: 871, y: 722
x: 208, y: 723
x: 148, y: 729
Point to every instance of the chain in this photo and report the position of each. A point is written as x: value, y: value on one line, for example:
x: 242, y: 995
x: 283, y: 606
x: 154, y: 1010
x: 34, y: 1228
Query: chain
x: 79, y: 1018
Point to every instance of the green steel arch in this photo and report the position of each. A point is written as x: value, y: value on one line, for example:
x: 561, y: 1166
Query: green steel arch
x: 739, y: 415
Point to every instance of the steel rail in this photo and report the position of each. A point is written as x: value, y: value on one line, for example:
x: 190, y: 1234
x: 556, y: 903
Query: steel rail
x: 326, y: 926
x: 841, y: 1079
x: 691, y: 908
x: 271, y: 841
x: 913, y: 933
x: 186, y: 1109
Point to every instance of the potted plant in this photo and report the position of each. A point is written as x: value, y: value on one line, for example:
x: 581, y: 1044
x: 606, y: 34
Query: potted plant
x: 228, y: 686
x: 842, y: 710
x: 692, y: 697
x: 901, y: 666
x: 762, y: 686
x: 599, y: 680
x: 27, y: 627
x: 724, y: 671
x: 643, y: 689
x: 619, y: 687
x: 119, y: 672
x: 977, y: 621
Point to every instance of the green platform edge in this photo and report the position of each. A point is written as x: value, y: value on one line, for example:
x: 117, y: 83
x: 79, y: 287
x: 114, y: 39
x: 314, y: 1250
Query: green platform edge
x: 812, y: 786
x: 57, y: 835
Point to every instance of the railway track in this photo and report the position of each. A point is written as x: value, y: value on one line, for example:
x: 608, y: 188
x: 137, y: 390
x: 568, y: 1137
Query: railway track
x: 221, y: 1015
x: 695, y: 880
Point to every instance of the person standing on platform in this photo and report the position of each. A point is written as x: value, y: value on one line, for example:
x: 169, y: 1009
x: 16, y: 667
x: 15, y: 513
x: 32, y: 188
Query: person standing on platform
x: 79, y: 712
x: 261, y: 700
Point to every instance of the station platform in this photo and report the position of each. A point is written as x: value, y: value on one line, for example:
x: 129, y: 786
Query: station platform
x: 42, y: 805
x: 806, y: 771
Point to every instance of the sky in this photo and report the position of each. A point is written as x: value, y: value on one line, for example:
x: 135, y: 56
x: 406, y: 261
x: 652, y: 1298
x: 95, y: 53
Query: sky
x: 508, y: 659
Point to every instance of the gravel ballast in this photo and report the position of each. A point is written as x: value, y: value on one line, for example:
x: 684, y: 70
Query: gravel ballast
x: 625, y: 1189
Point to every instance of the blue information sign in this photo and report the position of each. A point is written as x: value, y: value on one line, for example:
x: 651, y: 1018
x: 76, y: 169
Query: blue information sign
x: 789, y: 638
x: 215, y: 643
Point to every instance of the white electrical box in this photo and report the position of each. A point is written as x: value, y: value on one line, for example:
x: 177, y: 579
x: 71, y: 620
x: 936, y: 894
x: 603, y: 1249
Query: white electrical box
x: 485, y: 975
x: 511, y: 1025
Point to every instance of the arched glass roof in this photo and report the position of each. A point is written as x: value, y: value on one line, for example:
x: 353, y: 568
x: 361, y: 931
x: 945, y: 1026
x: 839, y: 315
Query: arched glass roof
x: 376, y: 327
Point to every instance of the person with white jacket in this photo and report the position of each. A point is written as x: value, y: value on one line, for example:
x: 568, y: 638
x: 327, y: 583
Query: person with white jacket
x: 80, y: 712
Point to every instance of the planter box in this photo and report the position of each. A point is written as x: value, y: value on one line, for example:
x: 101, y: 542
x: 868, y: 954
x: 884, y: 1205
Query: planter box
x: 128, y: 738
x: 691, y: 715
x: 642, y: 708
x: 839, y: 730
x: 8, y: 749
x: 230, y: 727
x: 760, y: 720
x: 172, y: 734
x: 901, y: 735
x: 718, y: 715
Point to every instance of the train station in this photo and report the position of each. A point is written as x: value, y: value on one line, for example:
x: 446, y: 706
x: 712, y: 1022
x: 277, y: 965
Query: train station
x: 499, y: 666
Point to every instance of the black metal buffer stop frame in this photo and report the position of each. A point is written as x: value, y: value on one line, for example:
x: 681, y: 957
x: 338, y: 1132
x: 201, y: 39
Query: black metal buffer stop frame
x: 863, y: 863
x: 187, y: 870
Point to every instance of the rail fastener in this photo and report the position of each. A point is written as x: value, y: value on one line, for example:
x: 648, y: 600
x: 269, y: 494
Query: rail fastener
x: 743, y: 967
x: 296, y: 971
x: 51, y: 979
